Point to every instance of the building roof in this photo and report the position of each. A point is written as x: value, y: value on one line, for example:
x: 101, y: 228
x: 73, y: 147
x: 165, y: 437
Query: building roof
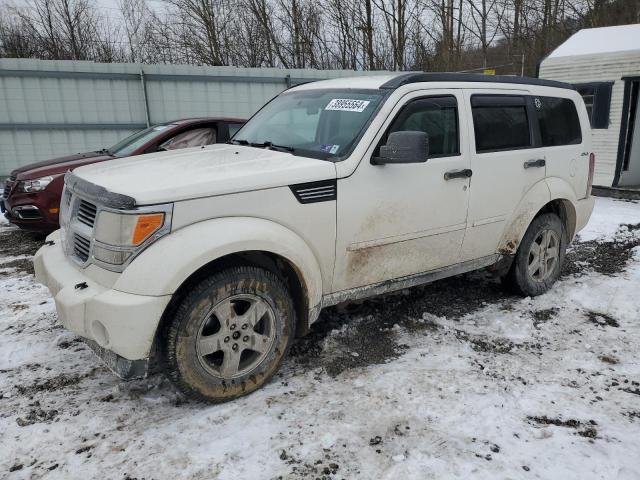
x: 604, y: 40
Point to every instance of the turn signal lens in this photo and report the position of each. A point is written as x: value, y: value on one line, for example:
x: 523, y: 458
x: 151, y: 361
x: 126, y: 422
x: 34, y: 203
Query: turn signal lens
x: 146, y: 226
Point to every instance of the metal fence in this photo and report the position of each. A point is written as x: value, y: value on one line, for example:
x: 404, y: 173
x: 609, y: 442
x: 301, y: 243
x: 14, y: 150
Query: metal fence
x: 55, y: 108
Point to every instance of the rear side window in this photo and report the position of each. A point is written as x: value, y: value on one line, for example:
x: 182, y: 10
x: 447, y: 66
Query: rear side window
x: 438, y: 117
x: 500, y: 122
x: 558, y: 121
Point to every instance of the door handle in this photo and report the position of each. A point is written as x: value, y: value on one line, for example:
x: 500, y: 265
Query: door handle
x: 451, y: 174
x: 541, y: 162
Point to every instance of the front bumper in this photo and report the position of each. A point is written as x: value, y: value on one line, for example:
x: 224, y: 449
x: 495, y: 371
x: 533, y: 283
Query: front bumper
x: 119, y: 326
x: 33, y: 211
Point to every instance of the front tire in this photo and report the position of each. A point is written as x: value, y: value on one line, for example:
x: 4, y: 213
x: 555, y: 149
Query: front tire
x: 540, y: 256
x: 229, y: 334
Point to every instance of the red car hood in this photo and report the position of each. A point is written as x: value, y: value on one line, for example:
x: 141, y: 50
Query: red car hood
x: 56, y: 166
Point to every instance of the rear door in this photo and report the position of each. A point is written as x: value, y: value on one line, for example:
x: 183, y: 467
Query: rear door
x: 504, y: 162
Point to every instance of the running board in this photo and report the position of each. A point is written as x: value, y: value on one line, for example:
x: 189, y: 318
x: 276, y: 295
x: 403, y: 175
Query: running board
x: 408, y: 281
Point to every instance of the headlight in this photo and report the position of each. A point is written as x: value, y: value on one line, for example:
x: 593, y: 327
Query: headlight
x: 127, y: 230
x: 120, y: 236
x: 35, y: 185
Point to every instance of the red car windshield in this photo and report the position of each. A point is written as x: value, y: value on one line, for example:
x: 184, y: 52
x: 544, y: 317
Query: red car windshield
x: 127, y: 146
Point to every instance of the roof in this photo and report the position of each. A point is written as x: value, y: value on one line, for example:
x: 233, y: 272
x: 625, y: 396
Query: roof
x: 184, y: 121
x: 396, y: 80
x: 469, y: 77
x: 593, y: 41
x: 355, y: 82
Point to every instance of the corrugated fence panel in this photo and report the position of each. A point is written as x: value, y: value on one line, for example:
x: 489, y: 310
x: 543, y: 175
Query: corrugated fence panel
x: 55, y: 108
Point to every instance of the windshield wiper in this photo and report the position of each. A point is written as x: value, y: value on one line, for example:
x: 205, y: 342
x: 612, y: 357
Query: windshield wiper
x: 104, y: 150
x: 267, y: 144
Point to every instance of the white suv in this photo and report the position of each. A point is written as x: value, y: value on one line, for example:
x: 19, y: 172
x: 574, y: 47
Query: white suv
x: 213, y: 259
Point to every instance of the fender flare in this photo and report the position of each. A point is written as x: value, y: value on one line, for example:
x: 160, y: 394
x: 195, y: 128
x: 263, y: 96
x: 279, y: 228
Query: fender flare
x: 169, y: 262
x: 541, y: 194
x: 561, y: 190
x: 516, y: 226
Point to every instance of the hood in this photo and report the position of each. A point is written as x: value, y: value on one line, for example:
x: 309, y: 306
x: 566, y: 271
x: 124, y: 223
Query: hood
x: 58, y: 165
x: 203, y: 171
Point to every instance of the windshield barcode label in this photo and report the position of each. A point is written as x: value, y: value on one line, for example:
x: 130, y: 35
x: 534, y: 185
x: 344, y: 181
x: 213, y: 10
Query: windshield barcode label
x: 347, y: 105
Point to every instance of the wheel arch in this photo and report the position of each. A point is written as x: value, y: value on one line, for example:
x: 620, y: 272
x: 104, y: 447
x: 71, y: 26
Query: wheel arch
x: 552, y: 195
x: 183, y: 257
x: 277, y: 264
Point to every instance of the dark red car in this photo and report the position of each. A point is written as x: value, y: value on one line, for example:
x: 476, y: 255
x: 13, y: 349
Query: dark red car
x: 31, y: 196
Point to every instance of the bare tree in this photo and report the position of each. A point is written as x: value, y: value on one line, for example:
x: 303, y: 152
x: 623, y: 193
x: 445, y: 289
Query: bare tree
x: 137, y: 21
x: 359, y: 35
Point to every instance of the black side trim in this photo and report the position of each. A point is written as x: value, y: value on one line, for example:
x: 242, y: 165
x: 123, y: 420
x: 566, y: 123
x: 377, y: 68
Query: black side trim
x: 416, y: 77
x: 313, y: 192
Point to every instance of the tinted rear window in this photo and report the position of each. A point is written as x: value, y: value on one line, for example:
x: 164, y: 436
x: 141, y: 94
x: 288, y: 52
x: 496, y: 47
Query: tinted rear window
x: 558, y: 121
x: 500, y: 122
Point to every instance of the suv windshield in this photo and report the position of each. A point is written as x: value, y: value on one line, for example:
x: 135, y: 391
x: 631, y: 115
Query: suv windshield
x: 318, y: 123
x: 127, y: 146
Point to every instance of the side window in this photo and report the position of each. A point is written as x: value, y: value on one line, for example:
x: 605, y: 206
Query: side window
x: 233, y: 128
x: 438, y: 117
x: 196, y: 137
x: 500, y: 122
x: 597, y: 99
x: 558, y: 121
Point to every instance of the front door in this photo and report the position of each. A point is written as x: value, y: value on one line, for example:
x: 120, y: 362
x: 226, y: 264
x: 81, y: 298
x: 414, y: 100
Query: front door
x: 396, y: 220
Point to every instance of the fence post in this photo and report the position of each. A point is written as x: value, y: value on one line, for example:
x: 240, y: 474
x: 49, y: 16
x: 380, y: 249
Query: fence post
x: 143, y: 83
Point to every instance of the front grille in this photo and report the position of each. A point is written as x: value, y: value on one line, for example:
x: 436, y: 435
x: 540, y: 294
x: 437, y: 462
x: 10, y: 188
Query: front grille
x: 87, y: 213
x: 81, y: 247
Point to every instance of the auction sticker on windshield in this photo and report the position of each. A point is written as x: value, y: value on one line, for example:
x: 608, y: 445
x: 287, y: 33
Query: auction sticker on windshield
x: 347, y: 105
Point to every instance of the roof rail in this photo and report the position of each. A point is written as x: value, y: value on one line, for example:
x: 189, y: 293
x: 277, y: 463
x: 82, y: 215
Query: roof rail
x: 416, y: 77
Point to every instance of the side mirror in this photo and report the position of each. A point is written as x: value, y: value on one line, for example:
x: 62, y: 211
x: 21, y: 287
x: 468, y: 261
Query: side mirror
x: 407, y: 146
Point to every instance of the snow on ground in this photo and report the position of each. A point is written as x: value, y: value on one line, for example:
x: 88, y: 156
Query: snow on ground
x: 457, y: 379
x: 609, y: 215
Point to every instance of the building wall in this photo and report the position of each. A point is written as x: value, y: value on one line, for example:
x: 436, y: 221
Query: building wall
x: 54, y: 108
x: 599, y: 68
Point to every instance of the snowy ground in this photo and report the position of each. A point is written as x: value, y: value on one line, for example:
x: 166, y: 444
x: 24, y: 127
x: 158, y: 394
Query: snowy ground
x: 453, y: 380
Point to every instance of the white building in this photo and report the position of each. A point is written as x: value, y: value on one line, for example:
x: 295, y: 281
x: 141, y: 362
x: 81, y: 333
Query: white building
x: 604, y: 65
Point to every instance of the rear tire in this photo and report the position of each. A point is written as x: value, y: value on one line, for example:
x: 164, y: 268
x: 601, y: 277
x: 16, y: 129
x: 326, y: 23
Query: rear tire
x: 229, y: 334
x: 540, y: 256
